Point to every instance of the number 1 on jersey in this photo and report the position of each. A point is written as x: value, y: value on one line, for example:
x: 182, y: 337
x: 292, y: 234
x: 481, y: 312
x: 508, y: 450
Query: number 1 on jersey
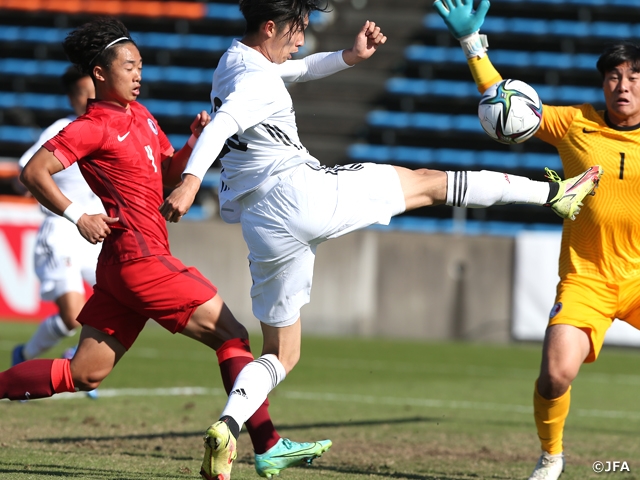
x: 150, y: 155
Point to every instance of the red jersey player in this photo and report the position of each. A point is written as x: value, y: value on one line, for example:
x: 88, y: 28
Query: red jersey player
x: 126, y: 159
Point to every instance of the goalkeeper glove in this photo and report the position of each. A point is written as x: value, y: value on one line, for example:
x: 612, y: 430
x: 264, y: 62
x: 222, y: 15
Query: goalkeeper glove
x: 464, y: 23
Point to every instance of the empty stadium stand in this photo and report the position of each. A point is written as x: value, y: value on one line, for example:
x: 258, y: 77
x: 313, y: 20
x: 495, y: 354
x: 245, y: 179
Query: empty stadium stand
x: 412, y: 104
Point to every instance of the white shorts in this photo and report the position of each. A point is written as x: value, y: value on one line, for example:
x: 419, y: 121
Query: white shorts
x: 313, y: 204
x: 63, y: 259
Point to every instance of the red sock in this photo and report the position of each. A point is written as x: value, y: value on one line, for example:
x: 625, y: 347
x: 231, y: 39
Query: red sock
x: 233, y: 355
x: 36, y: 379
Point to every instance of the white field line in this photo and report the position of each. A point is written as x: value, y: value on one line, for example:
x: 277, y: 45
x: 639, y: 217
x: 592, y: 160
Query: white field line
x: 387, y: 366
x: 352, y: 399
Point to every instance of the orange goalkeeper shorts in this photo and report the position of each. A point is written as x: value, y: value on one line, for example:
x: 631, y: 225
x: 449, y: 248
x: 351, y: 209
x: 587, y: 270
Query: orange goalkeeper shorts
x: 592, y: 304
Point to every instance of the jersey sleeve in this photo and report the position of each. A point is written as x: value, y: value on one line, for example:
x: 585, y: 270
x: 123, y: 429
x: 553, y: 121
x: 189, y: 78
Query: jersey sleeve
x: 556, y: 122
x: 253, y: 100
x: 77, y: 140
x: 313, y: 67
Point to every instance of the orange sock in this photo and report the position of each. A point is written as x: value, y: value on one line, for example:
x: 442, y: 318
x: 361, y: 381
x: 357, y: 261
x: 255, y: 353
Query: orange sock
x: 550, y: 416
x: 61, y: 376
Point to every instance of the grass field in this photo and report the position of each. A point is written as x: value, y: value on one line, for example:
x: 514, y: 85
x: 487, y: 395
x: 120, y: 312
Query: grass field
x: 405, y: 410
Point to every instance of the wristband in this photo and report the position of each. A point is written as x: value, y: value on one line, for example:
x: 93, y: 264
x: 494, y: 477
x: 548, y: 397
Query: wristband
x: 192, y: 141
x: 73, y: 213
x: 474, y: 45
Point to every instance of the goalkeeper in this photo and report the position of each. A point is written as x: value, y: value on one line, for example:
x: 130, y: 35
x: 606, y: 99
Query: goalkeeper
x: 599, y: 260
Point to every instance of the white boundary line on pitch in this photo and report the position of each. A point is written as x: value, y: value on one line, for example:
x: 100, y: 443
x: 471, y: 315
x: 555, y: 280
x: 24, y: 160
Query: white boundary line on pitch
x: 350, y: 398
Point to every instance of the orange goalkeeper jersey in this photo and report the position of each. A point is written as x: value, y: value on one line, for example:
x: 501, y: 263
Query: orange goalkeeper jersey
x: 604, y: 240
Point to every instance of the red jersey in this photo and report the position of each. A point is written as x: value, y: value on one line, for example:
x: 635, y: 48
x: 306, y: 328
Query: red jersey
x: 120, y: 152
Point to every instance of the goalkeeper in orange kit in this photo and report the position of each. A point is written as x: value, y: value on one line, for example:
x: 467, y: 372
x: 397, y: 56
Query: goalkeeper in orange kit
x: 599, y: 261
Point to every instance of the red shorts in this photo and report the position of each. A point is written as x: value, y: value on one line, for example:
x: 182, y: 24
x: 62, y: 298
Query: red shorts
x: 127, y: 294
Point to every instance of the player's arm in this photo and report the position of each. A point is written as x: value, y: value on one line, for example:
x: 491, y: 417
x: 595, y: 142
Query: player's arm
x: 464, y: 24
x: 320, y: 65
x: 206, y: 150
x: 173, y: 166
x: 37, y: 177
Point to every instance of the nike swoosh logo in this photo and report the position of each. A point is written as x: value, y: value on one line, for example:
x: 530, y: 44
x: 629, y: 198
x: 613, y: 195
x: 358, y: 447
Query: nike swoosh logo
x: 121, y: 138
x: 584, y: 130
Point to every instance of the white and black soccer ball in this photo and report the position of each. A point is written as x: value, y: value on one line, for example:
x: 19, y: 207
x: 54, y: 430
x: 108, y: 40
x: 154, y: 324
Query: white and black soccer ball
x: 510, y: 111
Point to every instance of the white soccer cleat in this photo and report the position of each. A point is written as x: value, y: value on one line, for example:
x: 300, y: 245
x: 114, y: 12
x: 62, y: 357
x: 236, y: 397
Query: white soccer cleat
x: 549, y: 467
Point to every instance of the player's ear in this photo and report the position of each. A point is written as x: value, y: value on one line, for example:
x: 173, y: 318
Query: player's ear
x: 269, y: 28
x: 99, y: 73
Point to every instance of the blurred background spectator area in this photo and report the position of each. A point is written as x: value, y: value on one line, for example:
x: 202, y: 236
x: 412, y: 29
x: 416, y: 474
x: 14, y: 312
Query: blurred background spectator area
x: 413, y: 104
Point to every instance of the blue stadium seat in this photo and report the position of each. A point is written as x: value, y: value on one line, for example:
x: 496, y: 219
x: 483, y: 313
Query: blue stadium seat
x: 466, y: 227
x: 40, y: 101
x: 224, y: 11
x: 511, y: 58
x: 170, y: 41
x: 533, y: 26
x: 10, y: 133
x: 563, y: 95
x: 424, y: 156
x: 150, y: 73
x: 582, y: 3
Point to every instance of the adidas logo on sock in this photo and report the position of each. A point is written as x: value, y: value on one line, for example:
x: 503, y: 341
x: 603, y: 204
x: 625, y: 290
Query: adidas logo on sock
x: 239, y: 391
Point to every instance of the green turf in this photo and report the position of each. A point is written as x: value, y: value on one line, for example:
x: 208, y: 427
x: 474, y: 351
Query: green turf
x: 398, y: 409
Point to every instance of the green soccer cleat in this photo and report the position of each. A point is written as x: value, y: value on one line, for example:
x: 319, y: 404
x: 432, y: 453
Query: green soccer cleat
x: 219, y: 452
x: 286, y: 453
x: 572, y: 191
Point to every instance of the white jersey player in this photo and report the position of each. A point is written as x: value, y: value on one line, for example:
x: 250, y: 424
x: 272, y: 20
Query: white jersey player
x: 288, y: 204
x: 63, y: 259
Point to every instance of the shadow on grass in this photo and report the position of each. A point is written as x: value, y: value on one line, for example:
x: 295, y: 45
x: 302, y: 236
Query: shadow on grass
x: 169, y: 435
x: 63, y: 471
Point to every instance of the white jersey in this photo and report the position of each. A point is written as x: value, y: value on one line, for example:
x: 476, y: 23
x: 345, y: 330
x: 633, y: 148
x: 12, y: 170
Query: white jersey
x: 70, y: 181
x: 251, y: 90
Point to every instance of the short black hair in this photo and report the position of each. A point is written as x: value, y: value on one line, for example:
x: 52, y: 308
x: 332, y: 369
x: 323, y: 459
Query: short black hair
x: 617, y: 54
x: 86, y: 45
x: 282, y: 12
x: 70, y: 78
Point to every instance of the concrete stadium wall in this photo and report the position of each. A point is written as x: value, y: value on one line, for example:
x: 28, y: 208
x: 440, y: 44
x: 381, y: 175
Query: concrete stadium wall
x: 375, y: 283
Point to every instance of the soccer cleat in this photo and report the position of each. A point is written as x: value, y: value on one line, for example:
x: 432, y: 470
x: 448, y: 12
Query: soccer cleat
x: 68, y: 354
x: 219, y: 452
x: 17, y: 356
x: 549, y: 467
x: 286, y: 453
x: 572, y: 191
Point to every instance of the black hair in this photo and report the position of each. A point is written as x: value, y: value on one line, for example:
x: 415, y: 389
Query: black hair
x: 282, y: 12
x: 614, y: 55
x: 70, y: 78
x: 86, y: 45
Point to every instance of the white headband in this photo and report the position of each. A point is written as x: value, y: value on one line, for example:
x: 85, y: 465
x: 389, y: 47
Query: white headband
x: 109, y: 45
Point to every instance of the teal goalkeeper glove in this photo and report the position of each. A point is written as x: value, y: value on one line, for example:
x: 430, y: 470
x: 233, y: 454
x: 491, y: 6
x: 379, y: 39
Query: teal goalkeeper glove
x: 460, y: 17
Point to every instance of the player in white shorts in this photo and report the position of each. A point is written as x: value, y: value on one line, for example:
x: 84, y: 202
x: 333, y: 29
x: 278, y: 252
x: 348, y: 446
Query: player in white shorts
x: 288, y: 203
x: 63, y: 259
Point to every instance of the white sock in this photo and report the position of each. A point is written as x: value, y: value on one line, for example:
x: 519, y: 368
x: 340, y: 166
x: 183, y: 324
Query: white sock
x: 485, y: 188
x: 49, y: 333
x: 252, y: 385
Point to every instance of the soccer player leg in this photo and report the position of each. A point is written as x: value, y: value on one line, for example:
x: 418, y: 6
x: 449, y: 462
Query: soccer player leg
x: 213, y: 324
x: 575, y: 335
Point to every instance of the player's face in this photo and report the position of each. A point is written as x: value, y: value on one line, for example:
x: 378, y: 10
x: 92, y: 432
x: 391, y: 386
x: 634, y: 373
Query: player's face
x: 287, y: 42
x: 121, y: 82
x: 622, y: 95
x: 83, y: 91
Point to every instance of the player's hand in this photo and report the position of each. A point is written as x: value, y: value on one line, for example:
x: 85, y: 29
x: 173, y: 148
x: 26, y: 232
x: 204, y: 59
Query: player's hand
x: 366, y: 43
x: 180, y: 200
x: 460, y: 17
x: 202, y: 120
x: 95, y: 228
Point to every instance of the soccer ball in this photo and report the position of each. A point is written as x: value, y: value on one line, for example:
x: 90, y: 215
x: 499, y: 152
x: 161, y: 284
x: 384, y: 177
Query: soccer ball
x: 510, y: 111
